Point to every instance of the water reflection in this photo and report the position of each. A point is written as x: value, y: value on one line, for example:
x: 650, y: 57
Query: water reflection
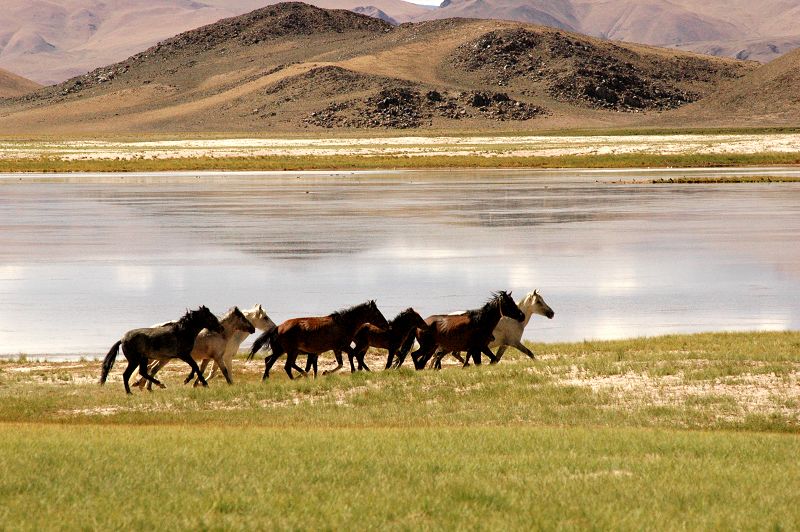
x: 84, y: 260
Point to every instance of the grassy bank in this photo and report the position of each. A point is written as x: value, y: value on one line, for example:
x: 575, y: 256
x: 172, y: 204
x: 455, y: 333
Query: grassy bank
x: 698, y: 431
x: 354, y: 162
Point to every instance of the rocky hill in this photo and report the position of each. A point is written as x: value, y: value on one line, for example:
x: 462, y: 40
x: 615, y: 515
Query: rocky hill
x: 294, y: 67
x: 769, y: 95
x: 760, y: 30
x: 50, y: 41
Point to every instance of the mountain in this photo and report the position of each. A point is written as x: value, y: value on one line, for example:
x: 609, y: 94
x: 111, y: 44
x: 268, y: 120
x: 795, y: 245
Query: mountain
x: 52, y: 40
x: 769, y: 95
x: 12, y: 85
x: 737, y: 28
x: 294, y: 67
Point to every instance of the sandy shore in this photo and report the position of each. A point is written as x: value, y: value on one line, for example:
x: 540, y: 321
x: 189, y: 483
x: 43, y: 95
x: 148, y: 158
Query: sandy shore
x: 505, y: 146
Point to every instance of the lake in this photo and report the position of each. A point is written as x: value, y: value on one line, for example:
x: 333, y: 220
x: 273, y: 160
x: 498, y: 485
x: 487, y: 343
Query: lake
x: 85, y: 257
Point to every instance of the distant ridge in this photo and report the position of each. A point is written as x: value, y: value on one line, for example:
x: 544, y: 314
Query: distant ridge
x: 293, y: 67
x: 12, y: 85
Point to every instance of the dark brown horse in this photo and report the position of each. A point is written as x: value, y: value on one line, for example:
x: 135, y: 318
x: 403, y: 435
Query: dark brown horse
x: 313, y: 336
x: 173, y: 340
x: 390, y: 338
x: 470, y: 331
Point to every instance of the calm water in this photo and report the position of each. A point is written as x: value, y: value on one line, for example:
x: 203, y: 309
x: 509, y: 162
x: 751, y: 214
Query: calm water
x: 85, y: 258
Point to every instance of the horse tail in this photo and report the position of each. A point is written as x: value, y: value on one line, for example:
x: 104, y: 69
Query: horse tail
x: 262, y: 340
x: 108, y: 362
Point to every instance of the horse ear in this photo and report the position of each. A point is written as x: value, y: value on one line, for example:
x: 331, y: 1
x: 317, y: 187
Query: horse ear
x: 536, y: 292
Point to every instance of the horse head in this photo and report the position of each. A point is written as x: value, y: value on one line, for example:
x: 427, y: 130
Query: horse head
x: 374, y: 316
x: 409, y: 318
x: 508, y: 307
x: 259, y: 318
x: 536, y: 305
x: 241, y: 323
x: 206, y: 320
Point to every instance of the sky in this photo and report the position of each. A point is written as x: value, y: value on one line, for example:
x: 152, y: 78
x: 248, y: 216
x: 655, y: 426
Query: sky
x: 426, y: 2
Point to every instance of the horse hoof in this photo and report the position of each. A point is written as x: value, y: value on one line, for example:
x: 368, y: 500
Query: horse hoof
x: 162, y: 386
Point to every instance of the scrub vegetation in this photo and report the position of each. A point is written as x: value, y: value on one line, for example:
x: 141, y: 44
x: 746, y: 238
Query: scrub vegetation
x: 696, y: 431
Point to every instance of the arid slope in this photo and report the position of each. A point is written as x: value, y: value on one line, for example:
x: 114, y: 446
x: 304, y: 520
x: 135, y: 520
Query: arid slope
x: 12, y: 85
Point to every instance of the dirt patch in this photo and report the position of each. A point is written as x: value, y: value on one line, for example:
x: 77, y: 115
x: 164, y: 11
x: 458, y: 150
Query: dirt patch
x: 739, y: 396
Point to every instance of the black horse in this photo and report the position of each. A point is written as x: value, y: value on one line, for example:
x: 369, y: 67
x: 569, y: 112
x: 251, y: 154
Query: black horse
x: 173, y: 340
x: 470, y: 331
x: 390, y: 338
x: 315, y: 335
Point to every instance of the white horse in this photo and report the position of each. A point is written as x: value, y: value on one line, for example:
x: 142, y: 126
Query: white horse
x: 508, y: 332
x: 260, y: 321
x: 213, y: 346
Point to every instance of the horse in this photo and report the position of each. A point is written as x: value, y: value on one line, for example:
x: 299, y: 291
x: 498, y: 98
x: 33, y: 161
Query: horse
x: 175, y: 340
x: 390, y: 338
x: 470, y: 331
x: 260, y: 321
x: 315, y: 335
x: 207, y: 343
x: 508, y: 332
x: 211, y: 346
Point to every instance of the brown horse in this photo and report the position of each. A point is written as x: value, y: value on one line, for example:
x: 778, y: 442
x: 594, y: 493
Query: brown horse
x: 315, y: 335
x: 391, y: 338
x: 470, y: 331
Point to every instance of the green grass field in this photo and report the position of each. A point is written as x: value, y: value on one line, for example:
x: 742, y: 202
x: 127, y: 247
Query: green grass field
x: 354, y: 162
x: 675, y: 432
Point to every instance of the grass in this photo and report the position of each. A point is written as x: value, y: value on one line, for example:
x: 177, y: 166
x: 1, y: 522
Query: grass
x: 348, y: 162
x: 726, y: 179
x: 673, y: 432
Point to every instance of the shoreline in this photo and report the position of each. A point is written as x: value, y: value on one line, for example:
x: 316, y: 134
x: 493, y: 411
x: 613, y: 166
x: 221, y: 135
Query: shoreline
x: 403, y: 152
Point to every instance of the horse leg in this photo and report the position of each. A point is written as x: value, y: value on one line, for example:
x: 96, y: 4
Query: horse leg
x: 500, y: 351
x: 225, y: 371
x: 519, y: 345
x: 339, y: 363
x: 350, y: 357
x: 488, y: 352
x: 203, y: 366
x: 187, y: 357
x: 476, y: 356
x: 126, y: 375
x: 153, y: 368
x: 422, y: 355
x: 268, y: 363
x: 291, y: 362
x: 143, y: 372
x: 404, y: 350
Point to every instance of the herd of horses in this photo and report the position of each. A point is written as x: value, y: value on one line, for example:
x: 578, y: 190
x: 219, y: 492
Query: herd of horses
x: 199, y: 336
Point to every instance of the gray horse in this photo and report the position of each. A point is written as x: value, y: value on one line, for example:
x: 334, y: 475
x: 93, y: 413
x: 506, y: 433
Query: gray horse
x: 174, y: 340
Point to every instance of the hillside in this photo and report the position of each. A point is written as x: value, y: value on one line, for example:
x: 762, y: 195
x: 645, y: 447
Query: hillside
x: 293, y: 67
x: 736, y: 28
x: 12, y: 85
x: 51, y: 41
x: 767, y: 96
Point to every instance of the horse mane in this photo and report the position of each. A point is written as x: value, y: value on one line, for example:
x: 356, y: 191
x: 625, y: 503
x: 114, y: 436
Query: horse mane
x: 480, y: 314
x: 185, y: 320
x: 343, y: 313
x: 401, y: 315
